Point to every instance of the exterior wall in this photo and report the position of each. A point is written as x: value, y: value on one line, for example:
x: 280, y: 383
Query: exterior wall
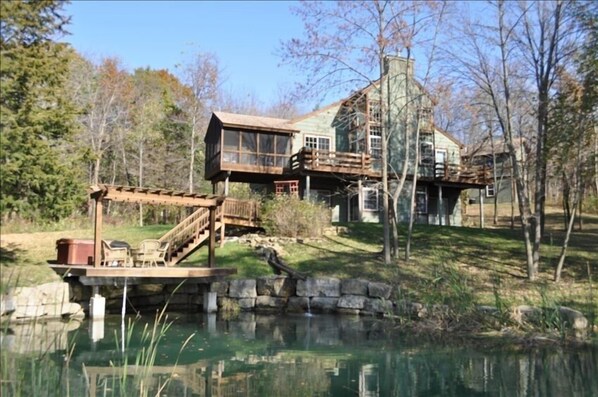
x: 451, y: 202
x: 320, y: 124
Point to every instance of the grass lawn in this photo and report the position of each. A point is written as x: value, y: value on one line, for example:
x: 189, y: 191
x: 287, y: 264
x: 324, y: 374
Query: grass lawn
x: 454, y: 265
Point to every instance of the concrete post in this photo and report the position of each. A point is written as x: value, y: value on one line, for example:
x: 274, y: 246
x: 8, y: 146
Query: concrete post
x: 97, y: 307
x: 210, y: 303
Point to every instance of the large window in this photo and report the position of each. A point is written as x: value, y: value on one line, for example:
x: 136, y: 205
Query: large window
x: 370, y: 199
x: 317, y: 142
x: 490, y: 191
x: 426, y: 149
x: 252, y: 148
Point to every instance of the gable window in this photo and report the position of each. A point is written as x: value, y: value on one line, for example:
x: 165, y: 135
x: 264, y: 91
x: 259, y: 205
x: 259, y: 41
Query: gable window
x: 421, y: 200
x: 370, y: 199
x: 426, y: 149
x: 490, y: 191
x: 317, y: 142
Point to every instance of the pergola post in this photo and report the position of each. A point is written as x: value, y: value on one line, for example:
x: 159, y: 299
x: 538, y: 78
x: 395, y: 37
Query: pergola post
x: 212, y: 244
x: 97, y: 232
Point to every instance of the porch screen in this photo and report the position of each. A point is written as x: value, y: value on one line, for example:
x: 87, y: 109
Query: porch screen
x: 256, y: 148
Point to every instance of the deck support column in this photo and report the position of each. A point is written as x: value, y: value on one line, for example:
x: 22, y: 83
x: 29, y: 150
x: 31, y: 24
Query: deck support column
x: 97, y: 304
x: 212, y: 244
x: 360, y: 199
x: 210, y: 301
x: 307, y: 193
x: 226, y: 183
x: 97, y: 232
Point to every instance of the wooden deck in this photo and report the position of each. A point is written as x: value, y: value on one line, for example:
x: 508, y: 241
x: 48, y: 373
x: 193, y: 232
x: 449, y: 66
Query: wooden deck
x: 142, y: 272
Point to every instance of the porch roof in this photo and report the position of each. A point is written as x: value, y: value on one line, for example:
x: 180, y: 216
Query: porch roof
x: 256, y: 122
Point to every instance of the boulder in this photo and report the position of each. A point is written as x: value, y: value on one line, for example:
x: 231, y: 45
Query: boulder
x: 575, y: 320
x: 220, y: 287
x: 276, y: 286
x: 297, y: 304
x: 7, y: 304
x: 52, y: 293
x: 270, y: 302
x: 351, y: 302
x: 323, y: 304
x: 377, y: 306
x: 319, y: 287
x: 379, y: 290
x: 246, y: 304
x: 353, y: 286
x: 242, y: 288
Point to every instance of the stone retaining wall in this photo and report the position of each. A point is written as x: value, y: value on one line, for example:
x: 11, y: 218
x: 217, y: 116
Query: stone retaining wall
x: 263, y: 294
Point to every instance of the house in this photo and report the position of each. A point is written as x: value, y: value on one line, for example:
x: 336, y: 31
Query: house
x: 494, y: 155
x: 333, y: 154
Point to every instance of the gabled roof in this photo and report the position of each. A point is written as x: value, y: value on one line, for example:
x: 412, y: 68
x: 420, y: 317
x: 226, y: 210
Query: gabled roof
x: 448, y: 135
x: 255, y: 122
x: 484, y: 148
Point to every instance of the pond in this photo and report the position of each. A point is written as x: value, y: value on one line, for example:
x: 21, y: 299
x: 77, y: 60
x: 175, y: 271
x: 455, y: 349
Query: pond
x: 268, y: 355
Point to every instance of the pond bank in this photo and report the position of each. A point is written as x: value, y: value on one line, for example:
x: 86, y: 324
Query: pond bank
x: 278, y: 294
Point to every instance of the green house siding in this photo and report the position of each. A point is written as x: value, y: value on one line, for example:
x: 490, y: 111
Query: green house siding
x: 319, y: 124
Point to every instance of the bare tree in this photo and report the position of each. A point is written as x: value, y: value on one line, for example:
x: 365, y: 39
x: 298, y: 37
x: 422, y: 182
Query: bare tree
x: 345, y: 44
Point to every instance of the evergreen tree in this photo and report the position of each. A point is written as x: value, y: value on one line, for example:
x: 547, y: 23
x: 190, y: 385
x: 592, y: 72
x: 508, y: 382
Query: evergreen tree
x: 37, y: 117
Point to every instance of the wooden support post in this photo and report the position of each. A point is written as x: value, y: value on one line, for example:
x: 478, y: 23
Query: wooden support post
x: 226, y: 184
x: 212, y: 246
x: 222, y: 233
x: 359, y: 200
x: 481, y: 208
x: 440, y: 206
x: 97, y: 233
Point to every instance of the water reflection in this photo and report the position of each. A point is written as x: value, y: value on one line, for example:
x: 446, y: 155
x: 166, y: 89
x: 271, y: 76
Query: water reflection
x: 298, y: 356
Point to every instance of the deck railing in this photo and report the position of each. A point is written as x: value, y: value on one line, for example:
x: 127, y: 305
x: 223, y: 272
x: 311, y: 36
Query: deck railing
x: 457, y: 173
x: 245, y: 212
x: 328, y: 161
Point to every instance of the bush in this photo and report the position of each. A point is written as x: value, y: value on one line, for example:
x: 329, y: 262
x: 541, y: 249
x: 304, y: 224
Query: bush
x: 288, y: 216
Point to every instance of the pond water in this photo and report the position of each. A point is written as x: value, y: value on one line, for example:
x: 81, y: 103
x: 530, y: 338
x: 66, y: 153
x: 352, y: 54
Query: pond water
x: 267, y: 355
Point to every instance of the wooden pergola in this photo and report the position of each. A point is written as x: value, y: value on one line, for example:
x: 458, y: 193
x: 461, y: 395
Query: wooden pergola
x: 151, y: 196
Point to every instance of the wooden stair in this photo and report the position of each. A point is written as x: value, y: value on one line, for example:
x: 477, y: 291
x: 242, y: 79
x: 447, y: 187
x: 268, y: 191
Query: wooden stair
x: 189, y: 235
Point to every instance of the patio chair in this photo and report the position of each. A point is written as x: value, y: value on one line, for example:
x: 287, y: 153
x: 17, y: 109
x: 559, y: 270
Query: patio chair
x: 150, y: 253
x: 115, y: 256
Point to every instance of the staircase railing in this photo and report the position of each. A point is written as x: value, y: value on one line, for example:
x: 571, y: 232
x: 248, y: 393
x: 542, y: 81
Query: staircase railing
x: 190, y: 228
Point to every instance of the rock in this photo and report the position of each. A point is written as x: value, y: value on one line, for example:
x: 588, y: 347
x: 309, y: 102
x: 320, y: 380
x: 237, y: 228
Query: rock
x: 319, y: 287
x: 148, y: 289
x: 53, y: 293
x: 7, y: 304
x: 379, y: 290
x: 276, y: 286
x: 378, y: 306
x: 246, y: 304
x: 220, y: 287
x: 354, y: 286
x: 73, y: 310
x: 323, y: 304
x: 487, y: 309
x: 351, y: 302
x: 242, y: 288
x: 297, y: 304
x: 28, y: 311
x: 270, y: 302
x: 526, y: 313
x: 575, y: 320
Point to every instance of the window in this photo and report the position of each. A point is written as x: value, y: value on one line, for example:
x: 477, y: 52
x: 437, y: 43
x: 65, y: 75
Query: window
x: 317, y: 142
x: 376, y: 141
x: 370, y: 199
x: 375, y: 112
x: 421, y: 200
x: 426, y: 149
x: 490, y: 190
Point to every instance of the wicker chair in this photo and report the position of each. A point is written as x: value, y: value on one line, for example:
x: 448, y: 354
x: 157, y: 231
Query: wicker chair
x: 150, y: 253
x: 115, y: 256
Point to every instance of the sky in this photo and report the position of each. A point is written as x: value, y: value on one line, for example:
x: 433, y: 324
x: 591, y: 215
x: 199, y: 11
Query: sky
x: 244, y: 35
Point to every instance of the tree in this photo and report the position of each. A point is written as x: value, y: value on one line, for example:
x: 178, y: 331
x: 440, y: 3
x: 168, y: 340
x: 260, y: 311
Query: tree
x: 37, y: 118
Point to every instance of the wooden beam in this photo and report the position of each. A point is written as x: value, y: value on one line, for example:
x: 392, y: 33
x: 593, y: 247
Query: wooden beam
x: 159, y: 273
x: 97, y: 232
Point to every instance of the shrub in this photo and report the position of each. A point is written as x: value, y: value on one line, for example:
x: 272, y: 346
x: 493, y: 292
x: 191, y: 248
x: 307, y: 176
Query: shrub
x: 288, y: 216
